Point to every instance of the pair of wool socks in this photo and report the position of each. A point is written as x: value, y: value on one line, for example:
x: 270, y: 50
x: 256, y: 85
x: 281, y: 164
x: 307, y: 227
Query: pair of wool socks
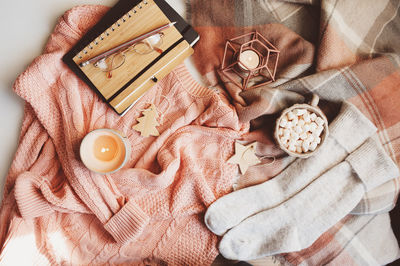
x: 289, y: 212
x: 231, y: 209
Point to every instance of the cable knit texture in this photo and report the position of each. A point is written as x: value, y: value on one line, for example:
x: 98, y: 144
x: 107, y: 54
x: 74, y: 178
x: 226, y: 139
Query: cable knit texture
x: 149, y: 212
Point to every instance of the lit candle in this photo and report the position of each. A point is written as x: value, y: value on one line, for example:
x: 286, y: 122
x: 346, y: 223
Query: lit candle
x: 104, y: 150
x: 249, y: 60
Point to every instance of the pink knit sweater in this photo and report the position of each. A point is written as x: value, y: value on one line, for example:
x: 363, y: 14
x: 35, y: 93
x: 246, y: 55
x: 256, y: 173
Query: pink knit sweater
x: 150, y: 212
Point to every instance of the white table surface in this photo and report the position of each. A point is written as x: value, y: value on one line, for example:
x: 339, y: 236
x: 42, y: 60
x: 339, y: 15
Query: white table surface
x: 25, y: 27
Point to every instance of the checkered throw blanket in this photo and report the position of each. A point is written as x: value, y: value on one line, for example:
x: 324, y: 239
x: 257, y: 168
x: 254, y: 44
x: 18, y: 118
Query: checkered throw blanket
x: 340, y: 50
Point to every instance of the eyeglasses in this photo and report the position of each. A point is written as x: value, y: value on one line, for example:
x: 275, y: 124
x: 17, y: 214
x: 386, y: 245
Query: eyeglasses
x: 116, y: 60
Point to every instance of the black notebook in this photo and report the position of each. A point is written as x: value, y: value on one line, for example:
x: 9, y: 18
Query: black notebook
x: 138, y: 72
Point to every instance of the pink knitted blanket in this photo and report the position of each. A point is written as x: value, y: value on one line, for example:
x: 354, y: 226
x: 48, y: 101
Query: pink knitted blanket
x: 148, y: 212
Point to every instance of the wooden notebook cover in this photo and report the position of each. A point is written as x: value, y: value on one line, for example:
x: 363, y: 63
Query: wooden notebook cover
x: 130, y: 81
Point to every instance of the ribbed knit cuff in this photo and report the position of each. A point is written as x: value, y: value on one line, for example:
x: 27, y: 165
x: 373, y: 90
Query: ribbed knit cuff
x: 351, y: 128
x: 31, y: 203
x: 128, y: 223
x: 372, y: 164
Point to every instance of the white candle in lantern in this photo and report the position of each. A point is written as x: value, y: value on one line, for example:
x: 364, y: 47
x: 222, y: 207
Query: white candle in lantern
x: 249, y: 59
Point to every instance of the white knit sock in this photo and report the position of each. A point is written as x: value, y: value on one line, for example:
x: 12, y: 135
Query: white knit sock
x: 298, y: 222
x: 348, y: 130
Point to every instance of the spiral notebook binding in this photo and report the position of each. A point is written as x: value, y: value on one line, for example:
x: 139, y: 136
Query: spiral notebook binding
x: 111, y: 29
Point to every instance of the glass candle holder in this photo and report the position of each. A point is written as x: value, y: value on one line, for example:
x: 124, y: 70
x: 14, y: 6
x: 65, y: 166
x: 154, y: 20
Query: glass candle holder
x: 104, y: 151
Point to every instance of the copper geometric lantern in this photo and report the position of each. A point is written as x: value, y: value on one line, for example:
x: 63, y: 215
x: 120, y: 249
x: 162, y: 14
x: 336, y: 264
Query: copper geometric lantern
x: 250, y: 60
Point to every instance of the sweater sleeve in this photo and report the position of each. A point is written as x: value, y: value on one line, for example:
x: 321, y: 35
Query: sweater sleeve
x: 39, y: 185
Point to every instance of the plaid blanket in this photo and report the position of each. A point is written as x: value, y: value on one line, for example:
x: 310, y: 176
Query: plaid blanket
x: 340, y: 50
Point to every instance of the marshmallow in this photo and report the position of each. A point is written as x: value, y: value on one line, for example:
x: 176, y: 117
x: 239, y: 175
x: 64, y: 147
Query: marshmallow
x: 303, y: 136
x: 292, y: 148
x: 299, y: 112
x: 285, y: 139
x: 286, y: 145
x: 292, y: 142
x: 291, y: 116
x: 301, y: 122
x: 286, y: 132
x: 283, y: 122
x: 280, y: 131
x: 309, y: 138
x: 319, y: 130
x: 298, y: 149
x: 289, y: 124
x: 313, y: 116
x: 307, y: 141
x: 313, y: 146
x: 307, y: 118
x: 294, y: 135
x: 318, y: 140
x: 305, y: 147
x: 295, y: 120
x: 298, y: 129
x: 313, y: 126
x: 285, y: 142
x: 306, y: 127
x: 319, y: 121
